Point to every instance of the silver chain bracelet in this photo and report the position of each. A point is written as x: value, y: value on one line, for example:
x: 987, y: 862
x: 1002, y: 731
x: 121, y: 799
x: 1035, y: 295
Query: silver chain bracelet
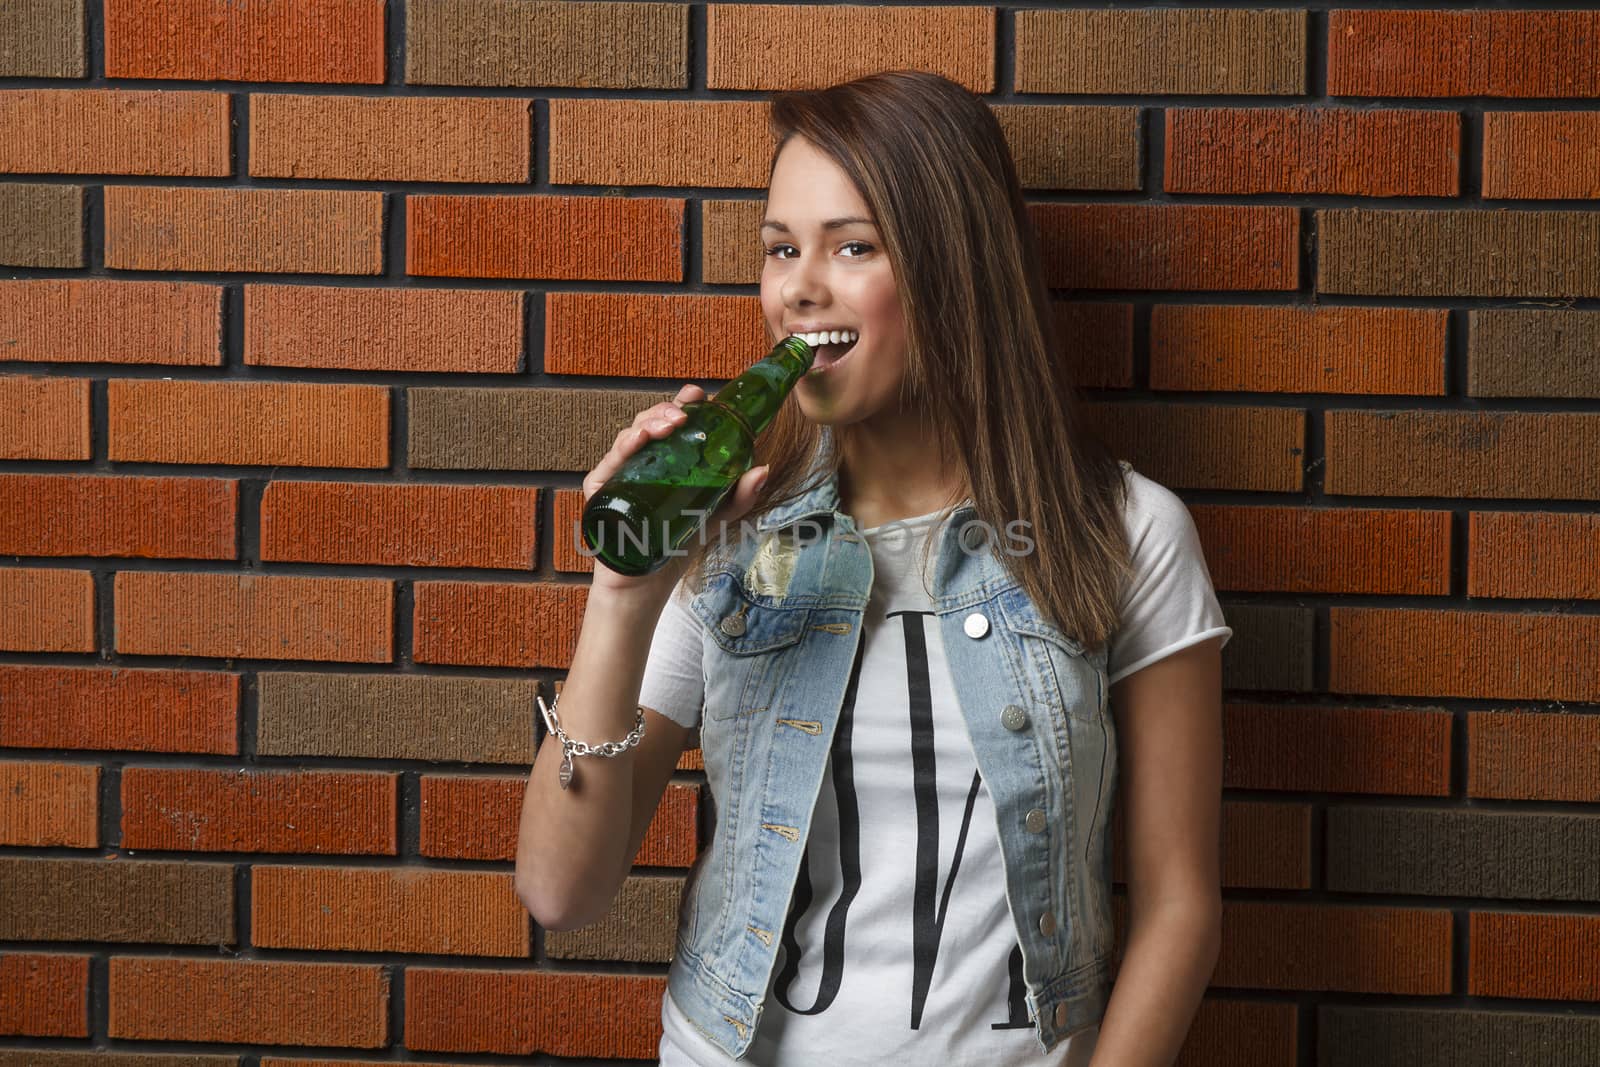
x: 570, y: 748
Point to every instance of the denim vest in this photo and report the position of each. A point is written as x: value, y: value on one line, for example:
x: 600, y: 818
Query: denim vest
x: 782, y: 611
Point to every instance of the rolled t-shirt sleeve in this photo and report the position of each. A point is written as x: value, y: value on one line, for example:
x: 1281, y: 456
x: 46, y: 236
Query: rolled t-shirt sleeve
x: 674, y: 677
x: 1169, y: 603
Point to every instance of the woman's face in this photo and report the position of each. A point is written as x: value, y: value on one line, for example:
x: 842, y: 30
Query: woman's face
x: 816, y: 276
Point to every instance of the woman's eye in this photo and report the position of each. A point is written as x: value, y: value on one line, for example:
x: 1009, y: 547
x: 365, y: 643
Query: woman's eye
x: 862, y: 244
x: 776, y: 251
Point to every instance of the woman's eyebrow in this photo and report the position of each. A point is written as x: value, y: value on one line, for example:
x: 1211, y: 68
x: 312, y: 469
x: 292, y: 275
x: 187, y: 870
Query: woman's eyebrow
x: 831, y: 224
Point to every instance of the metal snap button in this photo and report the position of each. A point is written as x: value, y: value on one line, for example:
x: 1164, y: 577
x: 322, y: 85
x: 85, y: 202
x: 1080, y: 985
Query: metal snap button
x: 1061, y: 1014
x: 976, y: 624
x: 1035, y: 821
x: 1013, y: 717
x: 1047, y: 923
x: 733, y: 625
x: 974, y: 536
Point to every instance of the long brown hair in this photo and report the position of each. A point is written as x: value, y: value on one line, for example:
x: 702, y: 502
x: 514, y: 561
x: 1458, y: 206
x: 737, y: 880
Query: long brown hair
x: 985, y: 365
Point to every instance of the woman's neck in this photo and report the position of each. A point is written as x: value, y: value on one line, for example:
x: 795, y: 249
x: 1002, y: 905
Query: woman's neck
x: 889, y: 469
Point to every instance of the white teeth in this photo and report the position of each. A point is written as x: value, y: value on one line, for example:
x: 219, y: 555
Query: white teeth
x: 824, y: 337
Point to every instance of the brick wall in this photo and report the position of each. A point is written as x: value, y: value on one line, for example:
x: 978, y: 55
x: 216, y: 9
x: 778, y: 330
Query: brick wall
x: 313, y: 313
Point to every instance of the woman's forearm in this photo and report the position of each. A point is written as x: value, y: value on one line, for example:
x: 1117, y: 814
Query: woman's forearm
x: 1166, y: 966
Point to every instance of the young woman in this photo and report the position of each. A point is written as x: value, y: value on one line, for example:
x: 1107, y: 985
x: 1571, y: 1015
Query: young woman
x: 919, y: 656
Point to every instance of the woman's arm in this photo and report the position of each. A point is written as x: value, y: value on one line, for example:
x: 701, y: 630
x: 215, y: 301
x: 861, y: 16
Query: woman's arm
x: 1169, y: 736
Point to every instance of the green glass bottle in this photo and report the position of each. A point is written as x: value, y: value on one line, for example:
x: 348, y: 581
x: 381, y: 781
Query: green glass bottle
x: 663, y: 493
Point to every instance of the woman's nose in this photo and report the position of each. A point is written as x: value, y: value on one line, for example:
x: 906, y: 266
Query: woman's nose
x: 805, y: 282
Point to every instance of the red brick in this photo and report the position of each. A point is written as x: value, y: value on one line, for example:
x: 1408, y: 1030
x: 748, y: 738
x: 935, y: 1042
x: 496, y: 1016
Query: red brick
x: 1463, y: 53
x: 245, y: 616
x: 1194, y: 446
x: 568, y: 547
x: 611, y: 238
x: 297, y: 231
x: 49, y: 805
x: 226, y: 40
x: 487, y: 623
x: 84, y: 320
x: 1266, y: 845
x: 391, y: 138
x: 116, y: 131
x: 1293, y: 549
x: 44, y: 994
x: 1233, y: 1033
x: 118, y: 708
x: 241, y: 1001
x: 1533, y: 554
x: 284, y: 424
x: 1349, y: 949
x: 329, y: 812
x: 44, y: 418
x: 653, y: 335
x: 1168, y: 246
x: 526, y: 1012
x: 1397, y: 752
x: 1515, y: 755
x: 641, y: 142
x: 1298, y: 349
x: 1313, y: 150
x: 1533, y: 956
x: 755, y: 46
x: 400, y: 525
x: 464, y: 331
x: 1504, y: 655
x: 1541, y: 154
x: 46, y: 610
x: 118, y: 515
x: 1096, y: 342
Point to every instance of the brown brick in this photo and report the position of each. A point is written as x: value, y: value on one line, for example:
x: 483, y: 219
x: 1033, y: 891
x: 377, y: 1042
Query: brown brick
x: 255, y: 616
x: 1313, y: 150
x: 1402, y: 752
x: 46, y: 610
x: 396, y: 717
x: 1298, y: 349
x: 1532, y: 956
x: 526, y: 1012
x: 641, y: 142
x: 222, y: 40
x: 400, y: 525
x: 1289, y: 549
x: 1161, y: 51
x: 1096, y: 341
x: 652, y: 335
x: 1458, y: 253
x: 44, y: 418
x: 464, y: 331
x: 1462, y: 454
x: 119, y: 899
x: 285, y: 424
x: 1271, y: 647
x: 241, y: 1001
x: 730, y: 241
x: 1422, y: 1037
x: 117, y: 515
x: 297, y: 231
x: 1541, y: 154
x: 1533, y: 352
x: 518, y: 429
x: 1533, y: 554
x: 1515, y: 755
x: 44, y: 994
x: 90, y: 320
x: 568, y: 548
x: 1194, y: 446
x: 328, y: 812
x: 391, y: 138
x: 49, y: 805
x: 1350, y: 949
x: 754, y: 46
x: 118, y: 708
x: 42, y: 39
x: 1463, y: 53
x: 640, y: 927
x: 117, y: 131
x: 387, y: 909
x: 1501, y: 655
x: 497, y: 624
x: 547, y: 42
x: 1265, y: 845
x: 612, y: 238
x: 1168, y: 246
x: 1234, y: 1033
x: 1059, y: 146
x: 41, y: 224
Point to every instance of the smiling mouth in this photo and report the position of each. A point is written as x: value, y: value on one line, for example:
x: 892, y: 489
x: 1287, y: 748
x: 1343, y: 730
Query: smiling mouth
x: 830, y: 355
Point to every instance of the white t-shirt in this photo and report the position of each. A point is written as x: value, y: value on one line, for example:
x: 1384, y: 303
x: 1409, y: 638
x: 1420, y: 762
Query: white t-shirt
x: 900, y: 940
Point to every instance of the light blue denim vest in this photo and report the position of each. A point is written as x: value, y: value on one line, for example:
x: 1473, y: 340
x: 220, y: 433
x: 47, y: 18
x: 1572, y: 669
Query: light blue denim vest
x: 782, y: 611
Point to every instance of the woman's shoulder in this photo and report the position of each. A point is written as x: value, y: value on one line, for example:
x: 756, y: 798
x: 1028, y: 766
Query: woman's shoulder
x: 1153, y: 515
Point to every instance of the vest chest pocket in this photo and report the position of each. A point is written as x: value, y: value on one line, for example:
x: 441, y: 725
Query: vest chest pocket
x: 1063, y: 669
x: 749, y: 649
